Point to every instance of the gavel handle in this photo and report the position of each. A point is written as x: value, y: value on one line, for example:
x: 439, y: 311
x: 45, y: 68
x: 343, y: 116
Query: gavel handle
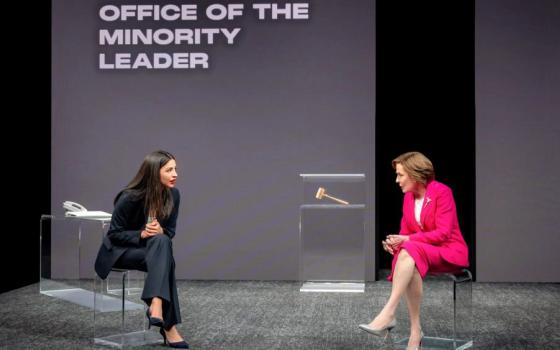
x: 336, y: 199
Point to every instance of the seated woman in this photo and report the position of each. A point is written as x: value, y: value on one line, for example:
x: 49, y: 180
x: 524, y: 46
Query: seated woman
x: 139, y: 238
x: 429, y: 241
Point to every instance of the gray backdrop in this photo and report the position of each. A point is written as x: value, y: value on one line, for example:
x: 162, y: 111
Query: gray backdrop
x: 287, y: 98
x: 518, y: 140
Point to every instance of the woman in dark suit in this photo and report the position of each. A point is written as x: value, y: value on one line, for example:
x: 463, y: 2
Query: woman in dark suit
x: 139, y: 238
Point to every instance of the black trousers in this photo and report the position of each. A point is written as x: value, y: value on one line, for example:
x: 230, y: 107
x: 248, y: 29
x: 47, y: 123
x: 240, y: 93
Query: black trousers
x: 155, y: 256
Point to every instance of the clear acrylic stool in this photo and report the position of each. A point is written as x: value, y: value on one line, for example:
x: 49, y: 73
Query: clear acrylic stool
x: 119, y: 313
x: 461, y: 335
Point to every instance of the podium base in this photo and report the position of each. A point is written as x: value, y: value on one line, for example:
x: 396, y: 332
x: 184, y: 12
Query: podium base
x: 333, y: 287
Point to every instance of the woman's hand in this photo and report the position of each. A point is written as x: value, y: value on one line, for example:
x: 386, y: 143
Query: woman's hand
x: 152, y: 229
x: 396, y: 240
x: 387, y: 247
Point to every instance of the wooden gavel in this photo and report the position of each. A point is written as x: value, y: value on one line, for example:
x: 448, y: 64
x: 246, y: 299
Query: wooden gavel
x: 322, y: 193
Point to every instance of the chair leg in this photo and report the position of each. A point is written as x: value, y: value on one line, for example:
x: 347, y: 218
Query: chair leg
x: 466, y: 280
x: 454, y: 314
x: 124, y: 278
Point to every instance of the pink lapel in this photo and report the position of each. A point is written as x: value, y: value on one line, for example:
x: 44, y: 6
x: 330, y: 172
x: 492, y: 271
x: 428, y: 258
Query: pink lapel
x: 427, y: 201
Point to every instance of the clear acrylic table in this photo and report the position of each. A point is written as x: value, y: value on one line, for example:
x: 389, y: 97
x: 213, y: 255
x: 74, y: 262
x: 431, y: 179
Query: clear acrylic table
x: 68, y: 248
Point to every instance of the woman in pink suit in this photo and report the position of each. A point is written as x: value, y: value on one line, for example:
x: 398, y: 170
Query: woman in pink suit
x: 429, y: 241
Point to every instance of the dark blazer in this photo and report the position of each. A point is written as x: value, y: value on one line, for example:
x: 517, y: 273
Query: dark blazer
x: 127, y: 222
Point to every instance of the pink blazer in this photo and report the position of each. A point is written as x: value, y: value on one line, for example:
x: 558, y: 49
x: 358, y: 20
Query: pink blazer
x: 439, y: 225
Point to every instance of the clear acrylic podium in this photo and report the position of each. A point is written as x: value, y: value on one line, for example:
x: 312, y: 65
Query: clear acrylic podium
x: 332, y: 233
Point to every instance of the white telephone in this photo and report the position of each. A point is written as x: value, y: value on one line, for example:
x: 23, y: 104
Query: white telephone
x: 76, y: 210
x: 73, y: 206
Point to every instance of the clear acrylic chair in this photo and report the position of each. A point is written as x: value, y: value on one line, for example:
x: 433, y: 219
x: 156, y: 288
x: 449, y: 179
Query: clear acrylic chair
x: 457, y: 335
x: 119, y: 312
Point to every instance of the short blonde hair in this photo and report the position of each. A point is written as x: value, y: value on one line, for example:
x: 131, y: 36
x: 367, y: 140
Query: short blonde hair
x: 416, y: 165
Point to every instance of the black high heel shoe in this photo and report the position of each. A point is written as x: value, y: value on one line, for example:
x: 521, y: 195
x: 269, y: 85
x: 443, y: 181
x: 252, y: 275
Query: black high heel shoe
x: 177, y: 345
x: 153, y: 321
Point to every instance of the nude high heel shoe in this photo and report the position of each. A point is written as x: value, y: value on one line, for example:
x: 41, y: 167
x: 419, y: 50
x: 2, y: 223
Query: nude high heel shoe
x: 419, y: 345
x: 380, y: 332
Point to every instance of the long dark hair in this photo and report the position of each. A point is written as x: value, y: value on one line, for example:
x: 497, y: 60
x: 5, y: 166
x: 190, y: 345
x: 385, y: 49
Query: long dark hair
x: 147, y: 186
